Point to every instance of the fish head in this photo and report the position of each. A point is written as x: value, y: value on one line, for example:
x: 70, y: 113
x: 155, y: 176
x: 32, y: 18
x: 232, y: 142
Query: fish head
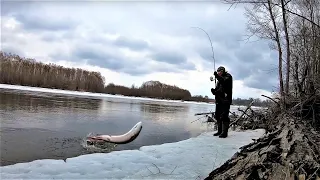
x: 137, y: 127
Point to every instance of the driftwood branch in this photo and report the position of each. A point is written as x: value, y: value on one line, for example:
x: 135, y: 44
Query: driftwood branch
x: 243, y: 112
x: 199, y: 118
x: 207, y: 113
x: 210, y: 119
x: 248, y: 107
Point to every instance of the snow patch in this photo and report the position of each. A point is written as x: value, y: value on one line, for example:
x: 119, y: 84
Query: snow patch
x: 188, y: 159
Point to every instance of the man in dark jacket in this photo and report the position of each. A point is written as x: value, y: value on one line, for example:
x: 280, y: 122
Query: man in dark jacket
x: 223, y: 98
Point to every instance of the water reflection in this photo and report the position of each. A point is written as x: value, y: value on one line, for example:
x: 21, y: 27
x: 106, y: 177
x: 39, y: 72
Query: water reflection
x: 165, y: 115
x: 160, y: 108
x: 11, y: 100
x: 108, y: 106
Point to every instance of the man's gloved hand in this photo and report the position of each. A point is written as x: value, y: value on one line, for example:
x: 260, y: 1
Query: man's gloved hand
x: 211, y: 78
x: 213, y: 91
x: 215, y: 74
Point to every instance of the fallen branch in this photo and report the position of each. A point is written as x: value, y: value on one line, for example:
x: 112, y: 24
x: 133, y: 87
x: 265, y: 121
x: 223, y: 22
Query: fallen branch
x: 198, y: 114
x: 244, y: 112
x: 241, y: 114
x: 270, y: 99
x: 198, y: 119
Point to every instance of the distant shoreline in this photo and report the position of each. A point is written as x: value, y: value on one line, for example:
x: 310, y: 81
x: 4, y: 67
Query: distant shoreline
x: 90, y: 94
x: 100, y: 95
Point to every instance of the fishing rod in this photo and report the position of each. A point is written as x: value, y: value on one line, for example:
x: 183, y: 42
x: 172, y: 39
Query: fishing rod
x: 214, y: 61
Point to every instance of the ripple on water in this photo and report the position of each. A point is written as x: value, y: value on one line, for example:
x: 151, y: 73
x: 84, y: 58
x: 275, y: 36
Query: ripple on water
x: 97, y: 147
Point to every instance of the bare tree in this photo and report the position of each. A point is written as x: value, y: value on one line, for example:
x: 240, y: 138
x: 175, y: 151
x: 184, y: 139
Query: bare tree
x: 293, y: 26
x: 285, y: 28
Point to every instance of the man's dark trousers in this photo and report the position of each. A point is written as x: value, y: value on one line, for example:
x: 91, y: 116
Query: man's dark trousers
x: 223, y: 120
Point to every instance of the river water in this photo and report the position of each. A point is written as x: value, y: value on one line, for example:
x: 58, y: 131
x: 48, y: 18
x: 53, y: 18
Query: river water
x: 38, y: 125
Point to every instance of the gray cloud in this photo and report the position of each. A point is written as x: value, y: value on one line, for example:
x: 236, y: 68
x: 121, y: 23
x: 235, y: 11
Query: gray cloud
x: 248, y: 54
x: 187, y: 66
x: 52, y: 37
x: 97, y: 57
x: 131, y: 43
x: 256, y: 68
x: 136, y: 70
x: 169, y: 57
x: 226, y: 38
x: 166, y: 69
x: 261, y: 80
x: 94, y: 55
x: 36, y: 22
x: 59, y: 56
x: 246, y: 62
x: 173, y: 58
x: 11, y: 7
x: 220, y: 55
x: 12, y: 50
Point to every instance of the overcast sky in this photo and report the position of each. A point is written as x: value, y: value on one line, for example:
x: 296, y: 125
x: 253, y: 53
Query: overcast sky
x: 134, y: 42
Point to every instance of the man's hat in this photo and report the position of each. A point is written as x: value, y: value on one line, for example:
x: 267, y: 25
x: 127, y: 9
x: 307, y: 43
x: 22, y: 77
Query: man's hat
x: 221, y: 68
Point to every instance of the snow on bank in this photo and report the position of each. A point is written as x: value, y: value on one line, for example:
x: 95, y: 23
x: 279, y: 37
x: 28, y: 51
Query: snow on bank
x: 88, y: 94
x: 189, y: 159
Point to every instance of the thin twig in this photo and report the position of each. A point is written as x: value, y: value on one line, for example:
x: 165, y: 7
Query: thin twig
x: 270, y: 99
x: 313, y: 174
x: 199, y: 118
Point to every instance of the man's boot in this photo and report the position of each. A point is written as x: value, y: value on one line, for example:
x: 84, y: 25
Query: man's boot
x: 225, y: 127
x: 219, y: 123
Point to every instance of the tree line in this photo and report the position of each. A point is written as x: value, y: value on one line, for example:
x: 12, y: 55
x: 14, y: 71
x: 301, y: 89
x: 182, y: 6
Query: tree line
x: 256, y: 102
x: 152, y: 89
x: 27, y: 72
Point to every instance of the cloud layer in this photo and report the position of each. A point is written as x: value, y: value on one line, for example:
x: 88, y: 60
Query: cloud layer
x: 133, y: 42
